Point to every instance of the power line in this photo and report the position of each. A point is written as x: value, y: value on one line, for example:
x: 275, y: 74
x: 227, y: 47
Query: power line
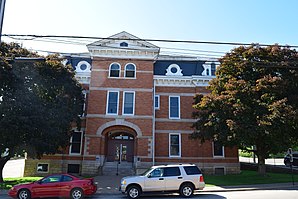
x: 156, y: 40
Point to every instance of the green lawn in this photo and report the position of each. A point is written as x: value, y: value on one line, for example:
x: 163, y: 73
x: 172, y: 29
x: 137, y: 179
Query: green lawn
x: 248, y: 177
x: 9, y: 182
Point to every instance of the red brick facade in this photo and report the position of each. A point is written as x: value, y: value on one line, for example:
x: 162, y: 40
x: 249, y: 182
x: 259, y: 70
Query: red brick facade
x: 149, y: 134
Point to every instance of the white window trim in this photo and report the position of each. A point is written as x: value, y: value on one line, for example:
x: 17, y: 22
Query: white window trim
x: 81, y: 142
x: 123, y: 102
x: 158, y: 102
x: 218, y: 156
x: 42, y: 171
x: 107, y: 104
x: 175, y: 118
x: 135, y: 76
x: 175, y: 156
x: 119, y: 70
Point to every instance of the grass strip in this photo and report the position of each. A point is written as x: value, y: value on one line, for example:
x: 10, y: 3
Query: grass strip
x: 248, y: 178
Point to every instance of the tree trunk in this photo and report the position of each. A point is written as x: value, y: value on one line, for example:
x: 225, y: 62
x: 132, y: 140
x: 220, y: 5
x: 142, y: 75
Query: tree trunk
x: 261, y: 165
x: 2, y: 164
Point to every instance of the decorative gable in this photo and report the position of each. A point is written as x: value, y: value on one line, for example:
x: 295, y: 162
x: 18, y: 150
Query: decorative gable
x: 123, y: 45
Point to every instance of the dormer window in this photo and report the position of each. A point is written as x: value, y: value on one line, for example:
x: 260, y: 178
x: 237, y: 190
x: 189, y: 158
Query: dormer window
x: 124, y: 44
x: 114, y: 70
x: 130, y: 70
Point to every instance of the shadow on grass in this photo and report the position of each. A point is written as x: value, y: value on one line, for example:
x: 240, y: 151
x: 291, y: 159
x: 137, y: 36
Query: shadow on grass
x: 248, y: 178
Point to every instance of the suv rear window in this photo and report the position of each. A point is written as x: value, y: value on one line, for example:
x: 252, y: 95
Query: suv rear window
x: 192, y: 170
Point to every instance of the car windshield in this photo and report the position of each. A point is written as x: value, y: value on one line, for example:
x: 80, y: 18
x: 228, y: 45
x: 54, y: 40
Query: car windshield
x: 146, y: 172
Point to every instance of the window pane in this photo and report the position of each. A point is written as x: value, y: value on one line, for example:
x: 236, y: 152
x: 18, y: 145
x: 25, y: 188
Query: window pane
x: 73, y: 168
x: 174, y: 150
x: 129, y: 70
x: 218, y: 149
x: 76, y: 142
x: 174, y: 107
x: 129, y: 74
x: 156, y: 173
x: 213, y: 68
x: 172, y: 171
x: 42, y: 168
x: 113, y: 102
x: 130, y: 67
x: 174, y: 145
x: 128, y: 103
x: 76, y: 137
x: 114, y: 73
x: 156, y: 101
x: 192, y: 170
x: 115, y: 70
x: 174, y: 139
x: 76, y: 148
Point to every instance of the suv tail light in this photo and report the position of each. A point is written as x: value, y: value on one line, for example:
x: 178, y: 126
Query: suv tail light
x: 201, y: 179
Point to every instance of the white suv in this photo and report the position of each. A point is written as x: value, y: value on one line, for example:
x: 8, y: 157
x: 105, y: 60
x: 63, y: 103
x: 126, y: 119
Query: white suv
x: 182, y: 178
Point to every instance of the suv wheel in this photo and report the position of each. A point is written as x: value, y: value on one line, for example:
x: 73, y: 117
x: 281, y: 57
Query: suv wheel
x: 133, y: 192
x: 186, y: 190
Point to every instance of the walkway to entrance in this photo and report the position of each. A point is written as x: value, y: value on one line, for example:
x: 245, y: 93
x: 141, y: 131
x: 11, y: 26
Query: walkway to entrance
x: 114, y: 168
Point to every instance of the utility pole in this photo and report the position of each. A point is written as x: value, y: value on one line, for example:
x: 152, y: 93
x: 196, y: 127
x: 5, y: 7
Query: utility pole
x: 2, y: 6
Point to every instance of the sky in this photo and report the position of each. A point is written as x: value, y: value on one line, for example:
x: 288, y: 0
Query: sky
x: 242, y: 21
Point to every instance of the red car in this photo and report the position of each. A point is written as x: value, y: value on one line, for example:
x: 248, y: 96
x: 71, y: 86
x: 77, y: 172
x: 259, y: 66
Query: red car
x: 56, y: 185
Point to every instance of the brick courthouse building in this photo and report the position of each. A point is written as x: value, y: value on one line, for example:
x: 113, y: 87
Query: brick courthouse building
x: 138, y: 112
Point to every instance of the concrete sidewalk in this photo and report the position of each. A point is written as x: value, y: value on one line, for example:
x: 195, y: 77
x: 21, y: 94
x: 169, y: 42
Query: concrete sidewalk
x: 109, y: 185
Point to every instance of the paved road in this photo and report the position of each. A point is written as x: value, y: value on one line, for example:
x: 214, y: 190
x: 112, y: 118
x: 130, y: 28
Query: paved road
x: 259, y: 194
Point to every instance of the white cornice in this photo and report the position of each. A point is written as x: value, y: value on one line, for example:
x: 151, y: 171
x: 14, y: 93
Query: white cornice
x: 184, y: 81
x: 123, y: 53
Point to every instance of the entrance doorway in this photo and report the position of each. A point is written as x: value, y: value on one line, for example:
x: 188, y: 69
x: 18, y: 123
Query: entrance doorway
x: 120, y: 147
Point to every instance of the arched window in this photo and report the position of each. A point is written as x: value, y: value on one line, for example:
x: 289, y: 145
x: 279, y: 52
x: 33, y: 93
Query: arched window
x: 114, y: 70
x: 130, y: 70
x: 124, y: 44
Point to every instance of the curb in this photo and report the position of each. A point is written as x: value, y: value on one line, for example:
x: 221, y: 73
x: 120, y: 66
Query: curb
x: 211, y: 189
x: 260, y: 187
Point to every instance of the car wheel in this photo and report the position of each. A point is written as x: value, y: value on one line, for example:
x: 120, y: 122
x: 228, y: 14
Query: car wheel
x: 77, y: 193
x: 24, y: 194
x: 133, y: 192
x: 186, y: 190
x: 288, y: 164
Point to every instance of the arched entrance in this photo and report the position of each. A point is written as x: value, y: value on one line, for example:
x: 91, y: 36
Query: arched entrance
x: 120, y: 147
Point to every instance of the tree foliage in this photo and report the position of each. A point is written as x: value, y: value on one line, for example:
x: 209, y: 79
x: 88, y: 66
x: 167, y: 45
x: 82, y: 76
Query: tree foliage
x: 253, y: 101
x: 39, y: 100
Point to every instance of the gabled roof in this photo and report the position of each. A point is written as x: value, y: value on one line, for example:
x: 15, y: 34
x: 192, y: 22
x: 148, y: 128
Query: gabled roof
x: 133, y: 42
x: 123, y: 45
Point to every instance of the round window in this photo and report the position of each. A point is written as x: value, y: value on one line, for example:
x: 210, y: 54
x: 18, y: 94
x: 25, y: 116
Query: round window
x: 83, y: 66
x: 174, y: 70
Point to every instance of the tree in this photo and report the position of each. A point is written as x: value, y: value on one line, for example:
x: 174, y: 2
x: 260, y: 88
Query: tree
x: 39, y: 101
x: 253, y: 102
